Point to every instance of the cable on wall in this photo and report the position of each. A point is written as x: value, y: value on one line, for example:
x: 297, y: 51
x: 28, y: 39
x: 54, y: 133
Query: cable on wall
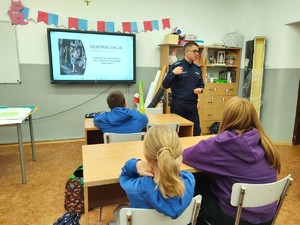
x: 76, y: 106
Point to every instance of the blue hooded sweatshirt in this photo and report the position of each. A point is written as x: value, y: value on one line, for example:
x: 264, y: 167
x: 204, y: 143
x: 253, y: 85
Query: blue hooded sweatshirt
x: 143, y: 192
x: 121, y: 120
x: 234, y: 158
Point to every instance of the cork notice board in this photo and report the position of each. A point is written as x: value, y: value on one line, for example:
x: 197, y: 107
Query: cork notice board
x: 257, y: 74
x: 9, y: 66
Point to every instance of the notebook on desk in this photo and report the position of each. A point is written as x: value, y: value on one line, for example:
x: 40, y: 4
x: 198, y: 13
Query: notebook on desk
x: 91, y: 115
x: 13, y: 115
x: 5, y: 107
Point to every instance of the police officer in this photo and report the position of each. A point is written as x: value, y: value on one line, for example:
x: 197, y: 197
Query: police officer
x: 185, y: 80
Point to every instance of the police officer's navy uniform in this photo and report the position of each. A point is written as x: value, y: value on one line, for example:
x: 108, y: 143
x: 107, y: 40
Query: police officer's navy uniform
x: 184, y: 101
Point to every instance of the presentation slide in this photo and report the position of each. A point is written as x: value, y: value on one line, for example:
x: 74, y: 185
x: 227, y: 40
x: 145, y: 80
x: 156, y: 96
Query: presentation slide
x: 92, y: 56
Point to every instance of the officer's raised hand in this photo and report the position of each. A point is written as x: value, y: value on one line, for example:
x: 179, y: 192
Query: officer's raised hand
x: 178, y: 70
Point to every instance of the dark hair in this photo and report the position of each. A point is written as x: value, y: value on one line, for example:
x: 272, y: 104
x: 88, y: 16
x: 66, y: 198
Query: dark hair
x: 189, y: 45
x: 115, y: 99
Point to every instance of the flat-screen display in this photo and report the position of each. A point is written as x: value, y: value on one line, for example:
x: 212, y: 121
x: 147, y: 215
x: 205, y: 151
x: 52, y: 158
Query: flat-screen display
x: 91, y: 57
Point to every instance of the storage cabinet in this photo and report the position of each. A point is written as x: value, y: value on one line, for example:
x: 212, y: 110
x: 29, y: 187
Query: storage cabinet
x: 221, y: 77
x: 220, y: 70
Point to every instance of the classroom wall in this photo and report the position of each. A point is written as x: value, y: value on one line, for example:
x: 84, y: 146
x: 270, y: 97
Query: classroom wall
x: 279, y: 102
x: 280, y: 23
x: 62, y: 107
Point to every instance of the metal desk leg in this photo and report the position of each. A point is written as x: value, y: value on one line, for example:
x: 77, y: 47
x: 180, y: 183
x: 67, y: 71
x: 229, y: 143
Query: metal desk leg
x: 23, y: 169
x: 32, y: 138
x: 86, y: 204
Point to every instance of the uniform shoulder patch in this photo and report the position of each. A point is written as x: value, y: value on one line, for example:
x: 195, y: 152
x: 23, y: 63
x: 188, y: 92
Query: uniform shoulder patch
x: 177, y: 63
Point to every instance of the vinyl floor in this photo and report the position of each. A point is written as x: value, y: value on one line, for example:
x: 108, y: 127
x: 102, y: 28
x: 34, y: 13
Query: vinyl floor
x: 40, y: 201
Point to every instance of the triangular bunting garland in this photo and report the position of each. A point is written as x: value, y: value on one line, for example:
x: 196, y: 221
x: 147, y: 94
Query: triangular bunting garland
x: 101, y: 26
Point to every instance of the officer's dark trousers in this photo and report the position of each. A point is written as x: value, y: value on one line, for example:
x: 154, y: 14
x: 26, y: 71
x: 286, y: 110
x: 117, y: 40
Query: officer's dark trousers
x: 188, y: 111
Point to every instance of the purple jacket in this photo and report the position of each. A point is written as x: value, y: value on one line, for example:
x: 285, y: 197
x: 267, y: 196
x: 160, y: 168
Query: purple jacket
x: 234, y: 158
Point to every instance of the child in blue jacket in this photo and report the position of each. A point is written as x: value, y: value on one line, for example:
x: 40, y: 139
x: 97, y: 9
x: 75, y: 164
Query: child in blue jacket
x: 158, y: 183
x: 120, y: 119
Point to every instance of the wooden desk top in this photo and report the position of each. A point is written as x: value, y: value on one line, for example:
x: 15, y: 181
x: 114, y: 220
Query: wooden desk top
x: 34, y: 109
x: 169, y: 118
x: 153, y: 118
x: 102, y: 163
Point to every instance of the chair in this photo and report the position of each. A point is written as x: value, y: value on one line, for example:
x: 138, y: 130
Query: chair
x: 134, y: 216
x: 117, y: 137
x: 255, y: 195
x: 174, y: 125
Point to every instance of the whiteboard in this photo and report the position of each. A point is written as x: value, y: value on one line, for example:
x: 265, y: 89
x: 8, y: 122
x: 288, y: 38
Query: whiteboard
x: 9, y: 59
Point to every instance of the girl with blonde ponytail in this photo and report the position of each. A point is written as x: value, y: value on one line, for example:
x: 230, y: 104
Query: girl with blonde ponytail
x: 158, y: 183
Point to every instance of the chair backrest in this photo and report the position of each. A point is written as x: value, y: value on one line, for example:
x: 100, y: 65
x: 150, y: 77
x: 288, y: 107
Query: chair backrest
x: 134, y: 216
x: 117, y: 137
x: 174, y: 125
x: 255, y: 195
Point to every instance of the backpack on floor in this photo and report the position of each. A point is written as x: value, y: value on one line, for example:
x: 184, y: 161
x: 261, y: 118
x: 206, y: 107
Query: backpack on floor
x: 69, y: 218
x: 74, y: 201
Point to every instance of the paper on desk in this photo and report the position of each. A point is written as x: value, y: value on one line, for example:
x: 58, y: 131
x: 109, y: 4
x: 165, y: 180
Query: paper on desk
x: 13, y: 115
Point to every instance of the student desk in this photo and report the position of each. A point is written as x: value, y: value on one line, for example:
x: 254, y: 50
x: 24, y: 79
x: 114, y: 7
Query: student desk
x: 94, y: 136
x: 18, y: 124
x: 102, y: 165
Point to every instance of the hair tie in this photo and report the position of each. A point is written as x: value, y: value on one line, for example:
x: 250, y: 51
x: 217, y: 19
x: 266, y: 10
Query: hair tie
x: 169, y: 149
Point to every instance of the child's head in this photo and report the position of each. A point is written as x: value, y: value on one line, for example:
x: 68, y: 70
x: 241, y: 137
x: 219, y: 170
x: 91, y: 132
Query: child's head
x: 162, y: 149
x: 116, y: 99
x: 240, y: 115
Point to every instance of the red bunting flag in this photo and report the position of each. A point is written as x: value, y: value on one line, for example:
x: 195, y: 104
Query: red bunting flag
x: 166, y: 23
x: 147, y: 25
x: 73, y: 23
x: 101, y: 26
x: 42, y: 17
x: 126, y: 27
